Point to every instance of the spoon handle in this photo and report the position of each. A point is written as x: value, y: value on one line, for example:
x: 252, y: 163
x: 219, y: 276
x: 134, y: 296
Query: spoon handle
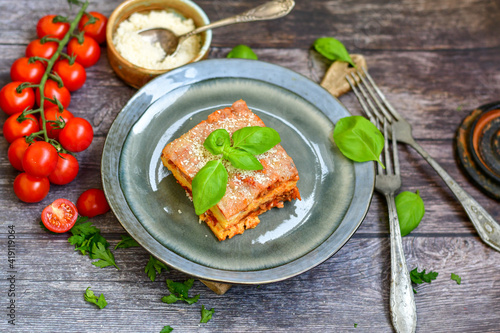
x: 270, y: 10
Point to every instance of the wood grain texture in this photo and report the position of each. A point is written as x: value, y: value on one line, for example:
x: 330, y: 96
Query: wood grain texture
x: 434, y: 60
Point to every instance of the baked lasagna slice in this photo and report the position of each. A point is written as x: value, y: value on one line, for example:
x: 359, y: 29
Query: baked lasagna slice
x: 248, y: 193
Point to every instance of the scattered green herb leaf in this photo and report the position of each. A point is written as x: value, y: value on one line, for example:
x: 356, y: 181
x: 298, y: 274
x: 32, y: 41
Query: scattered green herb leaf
x: 166, y: 329
x: 126, y: 242
x: 153, y: 267
x: 355, y: 325
x: 206, y: 315
x: 358, y: 139
x: 411, y: 210
x: 91, y: 298
x: 179, y: 292
x: 242, y: 51
x: 421, y: 277
x: 456, y: 278
x: 332, y: 49
x: 106, y: 257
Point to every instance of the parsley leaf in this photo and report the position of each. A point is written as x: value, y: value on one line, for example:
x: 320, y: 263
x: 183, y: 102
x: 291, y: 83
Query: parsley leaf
x: 456, y: 278
x: 166, y: 329
x: 206, y: 315
x: 100, y: 252
x: 179, y: 292
x: 153, y: 267
x: 355, y: 325
x: 83, y: 227
x: 126, y: 242
x: 91, y: 298
x: 421, y: 277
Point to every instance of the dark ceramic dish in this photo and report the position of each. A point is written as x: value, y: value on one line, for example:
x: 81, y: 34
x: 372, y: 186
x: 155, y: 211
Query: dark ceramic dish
x: 154, y: 209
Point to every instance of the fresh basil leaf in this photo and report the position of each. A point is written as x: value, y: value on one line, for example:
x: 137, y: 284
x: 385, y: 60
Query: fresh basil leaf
x: 332, y: 49
x: 243, y: 52
x: 255, y: 139
x: 217, y: 141
x: 166, y: 329
x: 209, y: 186
x: 242, y: 159
x: 410, y: 207
x: 358, y: 139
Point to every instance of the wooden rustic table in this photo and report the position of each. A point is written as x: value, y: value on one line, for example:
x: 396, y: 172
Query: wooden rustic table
x: 435, y: 60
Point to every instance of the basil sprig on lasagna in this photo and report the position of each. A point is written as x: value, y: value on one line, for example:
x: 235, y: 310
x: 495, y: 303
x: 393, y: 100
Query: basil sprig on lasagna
x: 209, y: 184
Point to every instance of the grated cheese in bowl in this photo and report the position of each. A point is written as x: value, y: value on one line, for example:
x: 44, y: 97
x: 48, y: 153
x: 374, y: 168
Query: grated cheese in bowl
x: 144, y: 54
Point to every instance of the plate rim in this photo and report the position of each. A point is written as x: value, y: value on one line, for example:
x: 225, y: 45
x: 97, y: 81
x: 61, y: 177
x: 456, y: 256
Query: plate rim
x: 227, y: 68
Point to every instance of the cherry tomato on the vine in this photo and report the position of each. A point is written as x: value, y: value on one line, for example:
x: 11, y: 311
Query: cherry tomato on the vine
x: 96, y: 30
x: 37, y: 49
x: 87, y: 53
x: 12, y: 129
x: 52, y: 90
x: 22, y: 70
x: 73, y: 76
x: 77, y: 135
x: 12, y: 102
x: 16, y: 152
x: 40, y: 159
x: 92, y: 202
x: 66, y: 170
x: 47, y: 27
x: 59, y: 216
x: 52, y: 114
x: 29, y: 188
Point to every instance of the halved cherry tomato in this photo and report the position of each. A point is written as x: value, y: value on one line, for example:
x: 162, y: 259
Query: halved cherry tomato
x: 37, y: 49
x: 66, y: 170
x: 16, y: 152
x: 47, y: 27
x: 40, y: 159
x: 12, y: 129
x: 22, y: 70
x: 59, y: 216
x: 52, y: 114
x: 12, y: 102
x: 92, y: 202
x: 77, y: 135
x: 73, y: 76
x: 30, y: 188
x: 87, y: 53
x: 95, y: 30
x: 52, y: 90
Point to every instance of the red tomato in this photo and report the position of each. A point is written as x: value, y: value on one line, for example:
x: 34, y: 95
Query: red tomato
x: 73, y: 76
x: 77, y: 135
x: 92, y: 202
x: 22, y: 70
x: 13, y: 102
x: 52, y: 90
x: 30, y: 188
x: 16, y: 152
x: 46, y: 26
x: 12, y: 129
x: 66, y: 169
x: 54, y: 114
x: 87, y: 53
x: 95, y: 30
x: 45, y: 50
x: 40, y: 159
x: 59, y: 216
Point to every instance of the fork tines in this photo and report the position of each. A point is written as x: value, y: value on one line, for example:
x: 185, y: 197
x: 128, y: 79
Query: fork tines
x: 373, y: 102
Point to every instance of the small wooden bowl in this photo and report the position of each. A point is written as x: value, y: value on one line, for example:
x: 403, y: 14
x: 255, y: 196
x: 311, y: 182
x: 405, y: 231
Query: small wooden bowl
x: 138, y: 76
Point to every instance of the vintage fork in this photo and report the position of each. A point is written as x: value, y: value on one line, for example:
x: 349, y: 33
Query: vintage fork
x: 487, y: 228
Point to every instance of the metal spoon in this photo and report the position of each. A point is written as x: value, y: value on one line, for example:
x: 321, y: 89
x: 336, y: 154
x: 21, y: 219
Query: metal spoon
x: 170, y: 42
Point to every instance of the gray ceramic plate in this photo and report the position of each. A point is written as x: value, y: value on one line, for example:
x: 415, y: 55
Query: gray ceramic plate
x: 154, y: 209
